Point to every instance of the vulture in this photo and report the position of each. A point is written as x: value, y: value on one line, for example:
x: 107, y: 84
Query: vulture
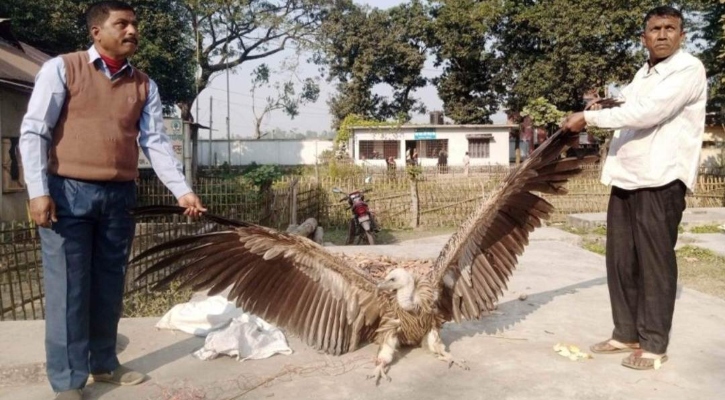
x: 334, y: 306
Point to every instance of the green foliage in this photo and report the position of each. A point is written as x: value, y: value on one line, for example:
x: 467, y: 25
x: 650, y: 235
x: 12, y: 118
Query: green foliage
x: 154, y: 303
x: 262, y: 176
x: 165, y: 52
x: 460, y: 41
x: 343, y: 169
x: 344, y: 131
x: 363, y: 48
x: 286, y: 99
x: 696, y: 252
x: 414, y: 172
x: 542, y: 113
x: 595, y: 246
x: 713, y: 54
x: 710, y: 228
x: 600, y: 133
x: 561, y: 49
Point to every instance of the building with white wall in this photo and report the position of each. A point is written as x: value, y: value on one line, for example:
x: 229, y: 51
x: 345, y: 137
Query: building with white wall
x: 486, y: 144
x: 262, y: 151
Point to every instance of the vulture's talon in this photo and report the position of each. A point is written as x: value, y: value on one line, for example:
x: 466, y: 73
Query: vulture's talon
x: 450, y: 360
x: 379, y: 373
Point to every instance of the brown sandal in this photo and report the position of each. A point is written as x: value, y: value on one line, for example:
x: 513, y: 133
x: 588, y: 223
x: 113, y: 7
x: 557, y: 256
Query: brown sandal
x: 611, y: 346
x: 651, y: 360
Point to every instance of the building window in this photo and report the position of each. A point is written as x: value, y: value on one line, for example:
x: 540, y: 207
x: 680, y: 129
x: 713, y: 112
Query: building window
x: 379, y: 149
x: 431, y: 148
x: 479, y: 148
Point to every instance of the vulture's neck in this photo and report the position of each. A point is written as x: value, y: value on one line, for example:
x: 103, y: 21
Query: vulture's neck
x: 406, y: 297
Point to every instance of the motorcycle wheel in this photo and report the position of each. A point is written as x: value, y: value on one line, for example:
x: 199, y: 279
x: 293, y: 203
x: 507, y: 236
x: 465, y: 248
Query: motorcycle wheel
x: 370, y: 237
x: 350, y: 232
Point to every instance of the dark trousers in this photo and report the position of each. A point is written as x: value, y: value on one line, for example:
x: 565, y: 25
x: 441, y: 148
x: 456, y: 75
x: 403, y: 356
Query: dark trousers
x: 84, y: 263
x: 641, y: 264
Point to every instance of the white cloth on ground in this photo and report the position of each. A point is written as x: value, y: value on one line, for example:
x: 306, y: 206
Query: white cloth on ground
x: 245, y: 336
x: 200, y: 317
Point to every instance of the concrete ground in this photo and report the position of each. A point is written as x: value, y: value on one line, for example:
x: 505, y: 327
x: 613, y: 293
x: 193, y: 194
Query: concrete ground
x: 510, y: 352
x: 690, y: 218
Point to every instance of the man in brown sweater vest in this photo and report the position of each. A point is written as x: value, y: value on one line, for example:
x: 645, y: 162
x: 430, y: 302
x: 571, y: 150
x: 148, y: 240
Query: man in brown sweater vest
x: 80, y: 138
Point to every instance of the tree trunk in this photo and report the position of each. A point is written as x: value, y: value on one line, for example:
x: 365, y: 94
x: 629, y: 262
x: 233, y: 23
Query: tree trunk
x: 257, y: 128
x: 306, y: 229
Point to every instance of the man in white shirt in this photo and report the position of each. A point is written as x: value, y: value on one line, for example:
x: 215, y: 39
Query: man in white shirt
x: 653, y: 159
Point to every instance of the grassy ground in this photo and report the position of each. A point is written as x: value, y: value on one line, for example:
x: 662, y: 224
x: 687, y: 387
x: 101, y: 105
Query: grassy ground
x: 699, y: 268
x: 154, y: 303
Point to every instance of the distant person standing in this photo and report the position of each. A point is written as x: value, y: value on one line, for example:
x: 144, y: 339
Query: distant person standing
x: 392, y: 167
x: 466, y: 164
x: 78, y: 142
x: 442, y: 161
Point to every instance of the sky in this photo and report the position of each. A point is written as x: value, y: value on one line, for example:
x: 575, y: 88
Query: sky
x: 314, y: 117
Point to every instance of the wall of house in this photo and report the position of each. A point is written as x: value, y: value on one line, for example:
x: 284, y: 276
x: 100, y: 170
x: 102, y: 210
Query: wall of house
x: 457, y: 145
x: 271, y: 151
x: 13, y: 197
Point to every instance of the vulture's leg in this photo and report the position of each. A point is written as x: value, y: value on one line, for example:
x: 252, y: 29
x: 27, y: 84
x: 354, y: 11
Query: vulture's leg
x: 435, y: 344
x: 384, y: 358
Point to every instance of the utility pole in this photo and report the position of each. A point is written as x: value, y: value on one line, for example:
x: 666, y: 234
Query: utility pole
x: 211, y: 101
x: 229, y: 135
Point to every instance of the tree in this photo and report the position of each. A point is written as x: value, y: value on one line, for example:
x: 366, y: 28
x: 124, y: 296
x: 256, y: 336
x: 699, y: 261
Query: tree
x: 228, y: 33
x: 286, y: 99
x: 462, y: 31
x: 363, y: 48
x: 165, y: 52
x: 713, y: 34
x: 560, y: 49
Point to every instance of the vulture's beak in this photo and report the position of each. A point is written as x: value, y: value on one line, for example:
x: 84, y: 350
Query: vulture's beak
x: 384, y: 286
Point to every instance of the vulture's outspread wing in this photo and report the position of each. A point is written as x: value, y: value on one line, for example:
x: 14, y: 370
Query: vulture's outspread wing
x: 286, y: 279
x: 474, y: 266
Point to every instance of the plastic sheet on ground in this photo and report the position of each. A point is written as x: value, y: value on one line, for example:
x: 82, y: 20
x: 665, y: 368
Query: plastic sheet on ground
x: 200, y: 317
x: 228, y: 329
x: 247, y: 338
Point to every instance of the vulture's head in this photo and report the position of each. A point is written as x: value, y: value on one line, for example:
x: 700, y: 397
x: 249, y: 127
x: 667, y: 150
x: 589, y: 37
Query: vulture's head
x: 397, y: 279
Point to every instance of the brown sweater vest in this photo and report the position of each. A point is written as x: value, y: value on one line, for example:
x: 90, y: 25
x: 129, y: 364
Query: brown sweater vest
x: 95, y: 137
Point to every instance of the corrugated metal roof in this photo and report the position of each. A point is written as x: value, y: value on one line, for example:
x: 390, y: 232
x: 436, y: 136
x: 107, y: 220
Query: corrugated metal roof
x: 19, y: 62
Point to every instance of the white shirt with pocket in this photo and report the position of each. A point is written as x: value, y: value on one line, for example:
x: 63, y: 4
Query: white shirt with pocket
x: 659, y: 127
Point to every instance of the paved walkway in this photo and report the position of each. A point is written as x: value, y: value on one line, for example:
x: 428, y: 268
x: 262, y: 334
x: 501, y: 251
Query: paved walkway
x: 510, y: 353
x: 690, y: 218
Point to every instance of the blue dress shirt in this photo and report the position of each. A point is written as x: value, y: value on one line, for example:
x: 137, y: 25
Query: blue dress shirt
x: 44, y: 109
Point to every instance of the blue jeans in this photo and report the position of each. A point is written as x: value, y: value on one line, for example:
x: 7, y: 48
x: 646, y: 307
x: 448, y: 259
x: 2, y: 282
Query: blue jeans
x: 85, y: 255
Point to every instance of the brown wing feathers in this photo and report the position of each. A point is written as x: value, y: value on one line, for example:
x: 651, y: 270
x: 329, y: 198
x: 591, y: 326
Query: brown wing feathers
x: 285, y: 279
x: 475, y: 264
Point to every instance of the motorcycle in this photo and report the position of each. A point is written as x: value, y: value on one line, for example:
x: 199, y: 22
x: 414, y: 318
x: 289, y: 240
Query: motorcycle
x: 362, y: 224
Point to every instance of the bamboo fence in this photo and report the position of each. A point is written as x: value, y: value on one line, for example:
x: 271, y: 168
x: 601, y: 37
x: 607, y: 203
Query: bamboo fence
x: 444, y: 200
